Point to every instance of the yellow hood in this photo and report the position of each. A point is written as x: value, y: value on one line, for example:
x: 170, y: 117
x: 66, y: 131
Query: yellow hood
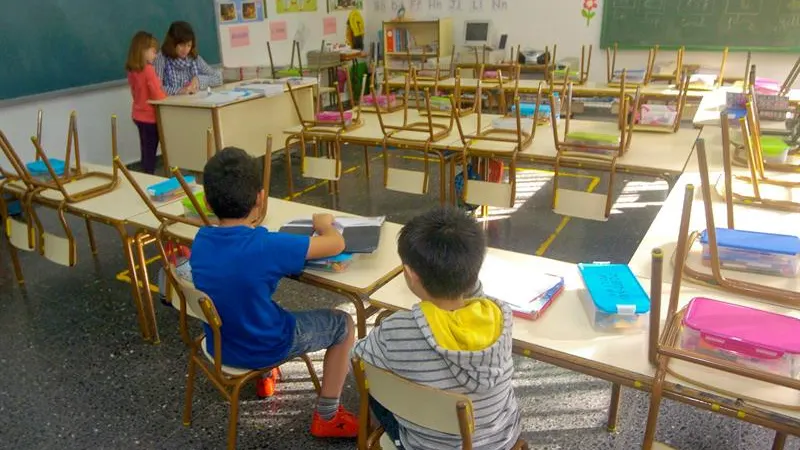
x: 474, y: 327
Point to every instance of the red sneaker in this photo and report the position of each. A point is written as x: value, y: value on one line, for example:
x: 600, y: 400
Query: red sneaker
x: 343, y: 425
x: 265, y: 387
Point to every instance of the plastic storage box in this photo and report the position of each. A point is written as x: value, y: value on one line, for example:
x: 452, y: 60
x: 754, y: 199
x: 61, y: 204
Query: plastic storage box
x: 774, y: 149
x: 384, y: 101
x: 613, y: 298
x: 168, y: 189
x: 335, y: 117
x: 659, y: 115
x: 746, y: 336
x: 752, y: 251
x: 38, y: 169
x: 191, y: 213
x: 528, y: 109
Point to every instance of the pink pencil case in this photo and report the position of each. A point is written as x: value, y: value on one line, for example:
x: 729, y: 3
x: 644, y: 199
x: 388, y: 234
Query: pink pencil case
x: 490, y: 74
x: 751, y: 337
x: 384, y: 101
x: 335, y: 117
x: 767, y: 86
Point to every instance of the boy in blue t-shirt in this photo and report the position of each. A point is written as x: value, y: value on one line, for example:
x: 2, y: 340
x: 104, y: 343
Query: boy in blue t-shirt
x: 239, y: 264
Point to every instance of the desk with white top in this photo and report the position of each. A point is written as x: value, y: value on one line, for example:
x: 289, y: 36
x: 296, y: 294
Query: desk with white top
x: 565, y: 337
x: 244, y: 122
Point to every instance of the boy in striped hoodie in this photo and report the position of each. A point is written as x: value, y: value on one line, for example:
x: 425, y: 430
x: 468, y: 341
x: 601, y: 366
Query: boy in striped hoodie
x: 455, y: 339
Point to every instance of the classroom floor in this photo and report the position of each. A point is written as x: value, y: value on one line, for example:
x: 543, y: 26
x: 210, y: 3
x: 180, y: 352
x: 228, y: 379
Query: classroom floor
x: 76, y: 375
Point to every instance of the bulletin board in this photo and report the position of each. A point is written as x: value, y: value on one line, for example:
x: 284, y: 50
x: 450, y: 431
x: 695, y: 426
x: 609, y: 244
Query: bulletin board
x: 245, y: 27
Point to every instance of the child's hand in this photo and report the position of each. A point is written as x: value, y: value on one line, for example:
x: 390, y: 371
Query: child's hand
x: 322, y: 221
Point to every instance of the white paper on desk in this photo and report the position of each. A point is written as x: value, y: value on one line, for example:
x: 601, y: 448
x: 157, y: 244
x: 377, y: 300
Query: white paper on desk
x: 515, y: 285
x: 268, y: 89
x: 218, y: 97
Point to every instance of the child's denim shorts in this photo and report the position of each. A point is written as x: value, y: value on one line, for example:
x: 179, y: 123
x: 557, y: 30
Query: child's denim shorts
x: 316, y: 330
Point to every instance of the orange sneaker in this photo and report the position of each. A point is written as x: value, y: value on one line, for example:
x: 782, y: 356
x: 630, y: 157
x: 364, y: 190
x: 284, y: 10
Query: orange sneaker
x: 265, y: 387
x: 343, y: 425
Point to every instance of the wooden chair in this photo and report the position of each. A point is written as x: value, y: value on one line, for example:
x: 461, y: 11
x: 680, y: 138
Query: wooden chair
x: 718, y: 80
x: 788, y: 83
x: 439, y: 112
x: 384, y: 91
x: 716, y: 277
x: 228, y: 380
x: 614, y: 75
x: 326, y: 139
x: 290, y: 71
x: 569, y: 74
x: 595, y: 148
x: 501, y: 142
x: 74, y: 186
x: 664, y: 345
x: 435, y: 74
x: 18, y: 235
x: 668, y: 127
x: 416, y: 136
x: 169, y: 222
x: 445, y: 412
x: 758, y: 189
x: 675, y: 76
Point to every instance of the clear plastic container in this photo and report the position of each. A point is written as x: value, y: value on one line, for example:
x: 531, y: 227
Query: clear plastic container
x: 750, y: 251
x: 746, y: 336
x: 613, y: 298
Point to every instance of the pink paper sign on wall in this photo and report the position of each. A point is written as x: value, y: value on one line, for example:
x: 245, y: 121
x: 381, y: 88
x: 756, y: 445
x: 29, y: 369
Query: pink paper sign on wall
x: 329, y: 25
x: 240, y: 36
x: 277, y: 30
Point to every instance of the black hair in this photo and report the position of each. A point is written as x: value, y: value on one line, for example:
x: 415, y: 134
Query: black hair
x: 232, y: 181
x: 445, y: 248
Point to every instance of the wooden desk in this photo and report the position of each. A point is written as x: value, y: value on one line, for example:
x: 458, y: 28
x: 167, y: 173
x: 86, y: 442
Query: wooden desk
x: 714, y: 102
x: 589, y: 89
x: 650, y: 153
x: 244, y: 123
x: 366, y: 274
x: 564, y: 336
x: 663, y: 233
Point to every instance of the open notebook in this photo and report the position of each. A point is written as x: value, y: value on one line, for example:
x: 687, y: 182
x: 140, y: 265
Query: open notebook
x: 529, y: 298
x: 361, y: 234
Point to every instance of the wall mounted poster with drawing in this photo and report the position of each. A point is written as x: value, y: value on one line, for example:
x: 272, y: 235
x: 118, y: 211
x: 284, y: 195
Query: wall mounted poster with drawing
x: 589, y: 9
x: 242, y: 32
x: 343, y: 5
x: 293, y: 6
x: 240, y: 11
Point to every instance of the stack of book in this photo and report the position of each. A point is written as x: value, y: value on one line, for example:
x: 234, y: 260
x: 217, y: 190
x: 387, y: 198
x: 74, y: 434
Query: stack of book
x: 361, y: 235
x: 528, y: 300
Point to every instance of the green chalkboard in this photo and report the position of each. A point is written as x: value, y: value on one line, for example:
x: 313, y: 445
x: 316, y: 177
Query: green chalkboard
x: 48, y: 45
x: 758, y: 25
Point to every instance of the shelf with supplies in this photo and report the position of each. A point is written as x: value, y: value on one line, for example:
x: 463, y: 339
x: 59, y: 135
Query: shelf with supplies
x: 425, y: 44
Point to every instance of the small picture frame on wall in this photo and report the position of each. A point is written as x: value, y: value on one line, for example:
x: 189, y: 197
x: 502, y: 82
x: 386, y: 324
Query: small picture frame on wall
x: 344, y: 5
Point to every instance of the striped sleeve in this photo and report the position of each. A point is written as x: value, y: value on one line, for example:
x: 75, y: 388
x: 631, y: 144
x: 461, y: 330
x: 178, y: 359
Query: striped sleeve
x: 207, y: 76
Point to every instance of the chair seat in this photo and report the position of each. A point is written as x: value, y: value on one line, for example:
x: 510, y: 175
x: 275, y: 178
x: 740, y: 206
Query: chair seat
x: 386, y: 442
x: 412, y: 135
x: 227, y: 370
x: 76, y: 187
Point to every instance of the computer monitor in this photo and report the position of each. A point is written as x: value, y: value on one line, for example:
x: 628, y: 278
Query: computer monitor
x: 477, y: 32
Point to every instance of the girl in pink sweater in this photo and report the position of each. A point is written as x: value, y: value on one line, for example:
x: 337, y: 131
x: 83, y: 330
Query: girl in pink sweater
x: 145, y: 86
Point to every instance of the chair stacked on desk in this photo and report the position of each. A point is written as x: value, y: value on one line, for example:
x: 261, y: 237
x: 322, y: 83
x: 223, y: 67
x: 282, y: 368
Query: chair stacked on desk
x: 325, y: 137
x: 417, y: 136
x: 595, y: 148
x: 503, y: 142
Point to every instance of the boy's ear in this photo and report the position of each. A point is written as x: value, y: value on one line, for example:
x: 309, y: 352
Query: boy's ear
x: 260, y: 198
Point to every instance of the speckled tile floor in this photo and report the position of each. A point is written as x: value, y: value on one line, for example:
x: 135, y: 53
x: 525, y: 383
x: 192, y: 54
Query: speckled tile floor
x: 74, y: 373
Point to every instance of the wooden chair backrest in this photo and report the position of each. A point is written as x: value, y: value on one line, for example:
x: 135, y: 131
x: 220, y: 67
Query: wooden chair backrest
x: 445, y: 412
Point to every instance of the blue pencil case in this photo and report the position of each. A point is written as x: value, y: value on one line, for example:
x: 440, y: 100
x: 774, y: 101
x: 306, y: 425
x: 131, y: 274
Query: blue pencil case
x: 752, y: 251
x: 613, y: 298
x: 338, y: 263
x: 528, y: 109
x: 168, y: 189
x: 38, y: 169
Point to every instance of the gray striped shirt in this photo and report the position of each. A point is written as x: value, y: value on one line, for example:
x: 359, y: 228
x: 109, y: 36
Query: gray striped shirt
x: 404, y: 344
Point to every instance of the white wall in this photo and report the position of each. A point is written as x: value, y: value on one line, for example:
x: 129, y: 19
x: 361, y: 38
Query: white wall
x: 540, y: 23
x: 94, y: 111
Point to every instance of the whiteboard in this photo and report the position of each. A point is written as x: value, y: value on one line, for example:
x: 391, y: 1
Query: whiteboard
x: 244, y: 44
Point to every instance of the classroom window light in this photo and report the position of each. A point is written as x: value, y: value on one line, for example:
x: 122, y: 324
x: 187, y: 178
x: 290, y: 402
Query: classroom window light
x: 529, y: 182
x: 632, y: 193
